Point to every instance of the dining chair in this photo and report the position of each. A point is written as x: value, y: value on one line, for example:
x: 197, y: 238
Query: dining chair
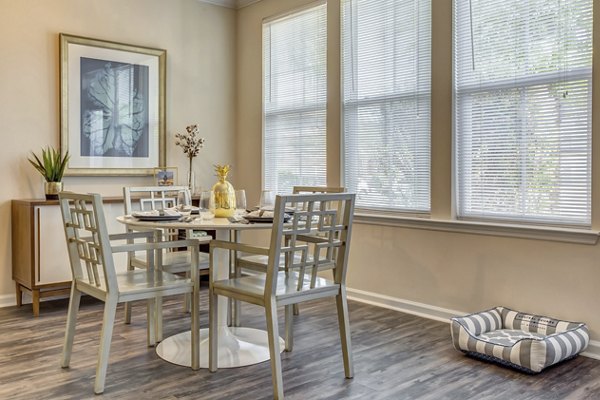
x: 91, y: 250
x: 325, y: 222
x: 158, y: 198
x: 258, y: 262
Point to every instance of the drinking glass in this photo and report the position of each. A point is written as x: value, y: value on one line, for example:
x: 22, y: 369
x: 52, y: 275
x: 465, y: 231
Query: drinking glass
x: 207, y: 204
x: 240, y: 202
x: 267, y: 200
x: 183, y: 206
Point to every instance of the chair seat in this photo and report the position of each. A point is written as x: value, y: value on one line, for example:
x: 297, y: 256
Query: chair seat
x: 253, y: 286
x: 136, y: 281
x: 173, y: 261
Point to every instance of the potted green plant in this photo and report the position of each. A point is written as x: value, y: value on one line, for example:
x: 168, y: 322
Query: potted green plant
x: 52, y: 167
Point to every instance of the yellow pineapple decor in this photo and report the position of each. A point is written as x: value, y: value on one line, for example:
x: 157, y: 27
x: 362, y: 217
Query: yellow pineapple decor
x: 224, y: 193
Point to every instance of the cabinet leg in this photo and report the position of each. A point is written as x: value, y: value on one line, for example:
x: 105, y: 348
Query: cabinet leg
x: 19, y: 294
x: 35, y: 302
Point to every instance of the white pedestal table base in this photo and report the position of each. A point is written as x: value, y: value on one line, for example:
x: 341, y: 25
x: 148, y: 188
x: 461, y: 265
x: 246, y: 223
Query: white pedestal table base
x: 238, y: 347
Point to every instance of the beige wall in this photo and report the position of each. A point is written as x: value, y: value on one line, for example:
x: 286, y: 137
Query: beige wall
x: 200, y: 44
x: 454, y: 271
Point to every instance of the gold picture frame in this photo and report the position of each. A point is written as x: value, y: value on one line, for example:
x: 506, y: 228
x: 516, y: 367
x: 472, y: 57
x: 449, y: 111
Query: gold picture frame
x: 166, y: 176
x: 112, y: 107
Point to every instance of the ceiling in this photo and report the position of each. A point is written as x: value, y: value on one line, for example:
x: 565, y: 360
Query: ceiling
x: 230, y: 3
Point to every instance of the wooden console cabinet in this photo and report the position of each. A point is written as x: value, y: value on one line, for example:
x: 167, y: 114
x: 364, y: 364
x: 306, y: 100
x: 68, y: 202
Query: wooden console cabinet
x: 40, y: 262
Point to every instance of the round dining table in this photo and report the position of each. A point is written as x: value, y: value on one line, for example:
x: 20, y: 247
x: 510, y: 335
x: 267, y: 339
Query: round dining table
x: 238, y: 346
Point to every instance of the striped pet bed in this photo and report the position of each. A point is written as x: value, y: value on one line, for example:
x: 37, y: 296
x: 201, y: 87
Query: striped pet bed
x: 526, y: 342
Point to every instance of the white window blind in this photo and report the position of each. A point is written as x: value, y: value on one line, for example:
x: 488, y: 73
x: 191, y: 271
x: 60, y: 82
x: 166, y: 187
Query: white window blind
x: 523, y: 76
x: 386, y: 50
x: 295, y: 98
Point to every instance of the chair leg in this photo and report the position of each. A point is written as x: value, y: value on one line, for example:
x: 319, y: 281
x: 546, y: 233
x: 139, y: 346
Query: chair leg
x: 158, y: 319
x: 344, y: 325
x: 151, y: 322
x: 71, y: 322
x: 187, y: 298
x: 273, y: 332
x: 231, y: 301
x: 233, y: 312
x: 289, y: 330
x: 110, y: 309
x: 213, y: 353
x: 229, y: 311
x: 237, y: 273
x: 237, y: 305
x: 195, y: 308
x: 127, y: 305
x: 237, y: 312
x: 195, y: 329
x: 296, y: 309
x: 187, y: 303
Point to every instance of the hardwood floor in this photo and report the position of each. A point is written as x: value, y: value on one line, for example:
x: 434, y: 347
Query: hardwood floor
x: 397, y: 356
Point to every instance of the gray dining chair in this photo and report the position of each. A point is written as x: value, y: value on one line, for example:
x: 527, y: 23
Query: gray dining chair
x: 258, y: 263
x: 325, y: 222
x: 91, y: 250
x: 149, y: 198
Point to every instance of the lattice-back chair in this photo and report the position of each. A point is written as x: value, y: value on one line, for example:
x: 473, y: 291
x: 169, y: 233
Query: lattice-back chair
x: 259, y: 263
x: 324, y: 221
x: 151, y: 198
x: 91, y: 249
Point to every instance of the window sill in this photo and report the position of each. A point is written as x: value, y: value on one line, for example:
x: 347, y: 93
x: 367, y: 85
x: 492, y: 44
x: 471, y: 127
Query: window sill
x: 567, y: 235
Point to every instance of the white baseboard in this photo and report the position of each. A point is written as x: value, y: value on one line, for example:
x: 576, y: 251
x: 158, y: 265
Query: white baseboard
x: 7, y: 300
x: 405, y: 306
x: 593, y: 350
x: 432, y: 312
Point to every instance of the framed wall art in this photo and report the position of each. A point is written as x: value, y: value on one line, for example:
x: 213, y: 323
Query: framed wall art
x: 166, y: 176
x: 112, y: 107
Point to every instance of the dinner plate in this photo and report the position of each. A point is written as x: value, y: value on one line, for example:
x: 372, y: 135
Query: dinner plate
x: 288, y: 210
x: 162, y: 217
x: 265, y: 220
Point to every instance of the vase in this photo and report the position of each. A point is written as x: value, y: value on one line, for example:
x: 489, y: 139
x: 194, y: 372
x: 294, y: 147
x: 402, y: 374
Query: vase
x: 224, y: 194
x: 51, y: 189
x: 192, y: 182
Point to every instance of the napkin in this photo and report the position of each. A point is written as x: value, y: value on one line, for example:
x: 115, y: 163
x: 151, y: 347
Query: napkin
x: 171, y: 212
x: 151, y: 213
x: 157, y: 213
x: 182, y: 208
x: 260, y: 214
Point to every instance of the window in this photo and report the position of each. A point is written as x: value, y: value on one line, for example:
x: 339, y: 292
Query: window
x: 522, y: 80
x: 295, y: 99
x: 386, y: 61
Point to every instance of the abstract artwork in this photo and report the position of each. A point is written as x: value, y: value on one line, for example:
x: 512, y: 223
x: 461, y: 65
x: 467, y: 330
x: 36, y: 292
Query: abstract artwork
x: 114, y: 109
